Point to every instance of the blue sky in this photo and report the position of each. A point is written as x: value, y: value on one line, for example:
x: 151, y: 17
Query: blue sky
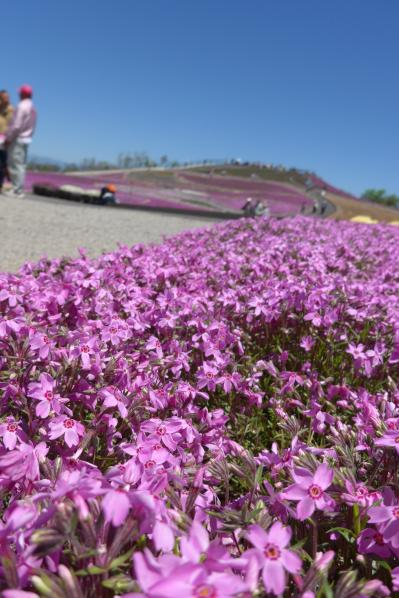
x: 306, y: 83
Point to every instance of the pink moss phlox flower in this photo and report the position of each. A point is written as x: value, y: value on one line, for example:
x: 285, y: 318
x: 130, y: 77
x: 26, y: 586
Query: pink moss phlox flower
x: 79, y: 486
x: 395, y: 579
x: 65, y: 426
x: 112, y: 397
x: 278, y: 460
x: 10, y: 432
x: 116, y: 506
x: 371, y: 541
x: 389, y: 440
x: 163, y: 536
x: 387, y: 519
x: 196, y: 547
x: 154, y: 345
x: 40, y: 342
x: 307, y: 343
x: 309, y: 490
x: 359, y: 494
x: 274, y: 558
x: 43, y: 391
x: 169, y: 577
x: 207, y: 376
x: 115, y: 333
x: 357, y: 351
x: 164, y: 431
x: 23, y: 461
x: 84, y: 350
x: 229, y: 381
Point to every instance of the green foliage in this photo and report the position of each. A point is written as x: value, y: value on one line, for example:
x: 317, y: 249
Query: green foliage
x: 382, y: 197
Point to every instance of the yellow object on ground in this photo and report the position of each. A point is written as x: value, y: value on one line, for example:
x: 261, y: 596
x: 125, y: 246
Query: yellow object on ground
x: 364, y: 219
x: 394, y: 222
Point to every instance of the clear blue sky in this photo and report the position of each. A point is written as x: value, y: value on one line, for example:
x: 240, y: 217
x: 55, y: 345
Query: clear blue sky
x: 306, y: 83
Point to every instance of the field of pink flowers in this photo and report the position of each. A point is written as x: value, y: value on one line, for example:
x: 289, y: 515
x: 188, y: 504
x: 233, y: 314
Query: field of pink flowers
x: 213, y: 417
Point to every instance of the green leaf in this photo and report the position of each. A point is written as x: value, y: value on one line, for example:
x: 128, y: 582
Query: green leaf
x: 348, y: 534
x: 93, y: 570
x: 119, y: 584
x: 325, y: 591
x: 121, y: 560
x: 258, y: 476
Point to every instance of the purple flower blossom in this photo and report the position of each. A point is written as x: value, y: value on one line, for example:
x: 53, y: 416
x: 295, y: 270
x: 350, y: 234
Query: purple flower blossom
x: 389, y: 439
x: 273, y: 557
x: 309, y: 490
x: 67, y: 427
x: 43, y: 391
x: 10, y: 432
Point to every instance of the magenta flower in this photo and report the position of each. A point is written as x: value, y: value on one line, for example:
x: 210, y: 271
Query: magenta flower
x: 273, y: 557
x: 371, y: 541
x: 307, y: 343
x: 43, y: 391
x: 67, y: 427
x: 395, y: 579
x: 387, y: 518
x: 229, y: 381
x: 41, y: 342
x: 207, y: 377
x: 23, y: 462
x: 309, y: 490
x: 154, y: 344
x: 116, y: 506
x: 163, y: 536
x: 10, y: 431
x: 357, y: 351
x: 168, y: 577
x: 163, y: 431
x: 359, y: 494
x: 83, y: 350
x: 114, y: 398
x: 390, y: 440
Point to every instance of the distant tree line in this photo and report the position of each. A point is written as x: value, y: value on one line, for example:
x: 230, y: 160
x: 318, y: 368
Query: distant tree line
x: 124, y: 161
x: 382, y: 197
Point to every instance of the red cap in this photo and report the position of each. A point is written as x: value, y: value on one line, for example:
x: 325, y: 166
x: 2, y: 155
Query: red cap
x: 26, y: 91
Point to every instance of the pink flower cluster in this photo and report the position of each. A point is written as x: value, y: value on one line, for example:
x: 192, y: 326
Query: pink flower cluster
x: 216, y: 416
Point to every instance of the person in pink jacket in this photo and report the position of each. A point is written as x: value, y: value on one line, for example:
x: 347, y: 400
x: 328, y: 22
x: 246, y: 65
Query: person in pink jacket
x: 18, y: 138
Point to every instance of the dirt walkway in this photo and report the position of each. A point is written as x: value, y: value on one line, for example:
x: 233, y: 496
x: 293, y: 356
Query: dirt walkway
x: 35, y: 227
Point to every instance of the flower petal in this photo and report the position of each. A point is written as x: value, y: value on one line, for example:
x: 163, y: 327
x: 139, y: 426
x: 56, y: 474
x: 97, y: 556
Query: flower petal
x: 163, y: 537
x: 291, y: 561
x: 274, y: 577
x: 323, y: 476
x: 257, y: 536
x: 305, y: 508
x: 294, y: 492
x: 279, y: 534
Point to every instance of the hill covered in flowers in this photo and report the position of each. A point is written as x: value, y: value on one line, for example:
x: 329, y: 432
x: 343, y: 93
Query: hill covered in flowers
x: 212, y: 417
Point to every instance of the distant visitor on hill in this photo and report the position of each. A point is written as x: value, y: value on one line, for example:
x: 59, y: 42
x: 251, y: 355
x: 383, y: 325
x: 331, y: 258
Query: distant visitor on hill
x: 107, y: 195
x: 18, y: 138
x: 262, y: 209
x: 6, y: 112
x: 256, y: 208
x: 248, y: 207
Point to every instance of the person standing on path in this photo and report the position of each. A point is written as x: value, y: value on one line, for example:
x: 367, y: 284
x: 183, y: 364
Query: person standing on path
x: 6, y: 112
x: 18, y: 138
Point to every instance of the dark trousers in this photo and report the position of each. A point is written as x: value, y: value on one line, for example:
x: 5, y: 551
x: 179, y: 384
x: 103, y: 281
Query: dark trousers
x: 3, y: 166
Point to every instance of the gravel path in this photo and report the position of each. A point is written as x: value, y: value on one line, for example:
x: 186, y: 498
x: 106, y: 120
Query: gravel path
x: 35, y: 227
